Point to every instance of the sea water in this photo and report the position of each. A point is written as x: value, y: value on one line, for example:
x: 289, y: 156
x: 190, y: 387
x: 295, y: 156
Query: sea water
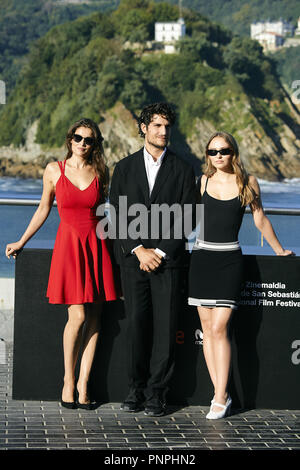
x: 14, y: 219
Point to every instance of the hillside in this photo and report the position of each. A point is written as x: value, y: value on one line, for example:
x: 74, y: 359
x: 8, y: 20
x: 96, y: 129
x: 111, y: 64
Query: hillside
x: 216, y: 81
x: 239, y: 14
x: 21, y: 23
x: 288, y: 65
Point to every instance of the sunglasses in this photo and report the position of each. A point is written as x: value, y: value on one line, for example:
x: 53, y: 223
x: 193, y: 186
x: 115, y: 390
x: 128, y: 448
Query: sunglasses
x: 214, y: 152
x: 87, y: 140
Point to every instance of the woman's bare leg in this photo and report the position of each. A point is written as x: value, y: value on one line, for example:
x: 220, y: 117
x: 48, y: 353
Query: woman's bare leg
x: 205, y: 315
x: 89, y: 343
x: 71, y: 345
x: 221, y: 352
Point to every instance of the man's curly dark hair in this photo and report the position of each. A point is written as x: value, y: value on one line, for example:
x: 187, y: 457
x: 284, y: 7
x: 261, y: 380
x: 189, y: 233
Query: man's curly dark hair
x: 162, y: 109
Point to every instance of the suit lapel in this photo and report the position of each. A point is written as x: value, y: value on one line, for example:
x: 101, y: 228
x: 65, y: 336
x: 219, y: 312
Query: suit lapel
x: 162, y: 175
x: 141, y: 176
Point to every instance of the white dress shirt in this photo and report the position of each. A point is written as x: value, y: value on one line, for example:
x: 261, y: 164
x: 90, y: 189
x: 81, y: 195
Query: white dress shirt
x: 152, y: 166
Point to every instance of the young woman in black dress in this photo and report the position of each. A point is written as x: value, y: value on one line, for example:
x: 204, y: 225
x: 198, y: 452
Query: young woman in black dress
x: 216, y: 269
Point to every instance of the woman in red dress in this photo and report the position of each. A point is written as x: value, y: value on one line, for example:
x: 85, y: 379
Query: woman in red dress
x: 81, y: 273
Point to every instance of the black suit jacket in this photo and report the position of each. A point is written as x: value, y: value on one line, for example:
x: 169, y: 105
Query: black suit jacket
x: 175, y: 184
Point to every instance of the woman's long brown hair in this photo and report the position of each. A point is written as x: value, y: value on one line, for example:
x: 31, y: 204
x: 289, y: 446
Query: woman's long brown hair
x: 247, y: 194
x: 96, y: 156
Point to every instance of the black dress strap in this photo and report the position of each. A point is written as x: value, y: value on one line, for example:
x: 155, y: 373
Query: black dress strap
x: 198, y: 190
x: 206, y: 183
x: 199, y: 183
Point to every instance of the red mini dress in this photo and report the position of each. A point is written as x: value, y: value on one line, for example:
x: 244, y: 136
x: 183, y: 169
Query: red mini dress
x: 81, y: 268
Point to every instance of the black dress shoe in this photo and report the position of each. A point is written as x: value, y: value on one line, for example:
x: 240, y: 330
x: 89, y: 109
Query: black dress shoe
x: 131, y: 407
x: 155, y: 407
x: 134, y: 402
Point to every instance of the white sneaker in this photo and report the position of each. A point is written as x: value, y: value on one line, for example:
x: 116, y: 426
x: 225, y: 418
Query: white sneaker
x: 219, y: 414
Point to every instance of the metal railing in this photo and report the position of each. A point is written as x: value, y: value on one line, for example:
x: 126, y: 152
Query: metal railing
x: 277, y: 211
x: 35, y: 202
x: 273, y: 211
x: 20, y: 202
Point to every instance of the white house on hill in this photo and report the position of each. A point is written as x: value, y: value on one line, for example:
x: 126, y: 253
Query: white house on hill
x: 169, y: 32
x: 281, y: 28
x: 297, y: 32
x: 271, y: 34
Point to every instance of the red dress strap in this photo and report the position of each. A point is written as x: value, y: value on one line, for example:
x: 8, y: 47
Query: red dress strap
x: 62, y: 166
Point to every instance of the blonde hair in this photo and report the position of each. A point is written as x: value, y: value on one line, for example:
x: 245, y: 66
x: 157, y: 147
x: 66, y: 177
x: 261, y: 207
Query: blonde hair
x: 247, y: 194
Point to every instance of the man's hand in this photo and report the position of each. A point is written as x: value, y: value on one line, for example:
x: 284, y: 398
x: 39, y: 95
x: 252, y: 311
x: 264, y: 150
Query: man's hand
x: 148, y: 258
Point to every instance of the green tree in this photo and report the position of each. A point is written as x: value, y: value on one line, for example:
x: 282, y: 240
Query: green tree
x: 243, y: 57
x: 134, y: 94
x: 22, y: 23
x: 136, y: 25
x: 198, y: 48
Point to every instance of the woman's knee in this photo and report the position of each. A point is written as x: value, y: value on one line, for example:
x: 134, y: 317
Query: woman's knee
x: 77, y: 316
x: 218, y: 330
x: 206, y: 326
x: 205, y: 319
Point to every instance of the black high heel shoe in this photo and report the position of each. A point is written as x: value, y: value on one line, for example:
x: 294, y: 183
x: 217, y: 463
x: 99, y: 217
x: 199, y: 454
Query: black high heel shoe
x: 83, y: 406
x: 71, y: 405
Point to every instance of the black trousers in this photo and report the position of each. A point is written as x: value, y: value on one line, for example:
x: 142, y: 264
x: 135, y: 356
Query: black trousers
x: 152, y: 303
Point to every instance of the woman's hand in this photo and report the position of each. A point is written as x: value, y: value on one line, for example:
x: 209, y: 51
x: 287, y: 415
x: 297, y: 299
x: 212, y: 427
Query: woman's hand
x: 263, y: 224
x: 50, y: 174
x: 13, y: 248
x: 286, y: 253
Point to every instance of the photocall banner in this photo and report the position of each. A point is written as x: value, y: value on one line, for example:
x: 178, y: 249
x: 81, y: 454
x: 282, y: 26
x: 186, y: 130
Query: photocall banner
x: 265, y: 334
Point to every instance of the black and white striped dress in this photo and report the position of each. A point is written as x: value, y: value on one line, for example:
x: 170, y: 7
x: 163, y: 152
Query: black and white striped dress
x: 216, y: 269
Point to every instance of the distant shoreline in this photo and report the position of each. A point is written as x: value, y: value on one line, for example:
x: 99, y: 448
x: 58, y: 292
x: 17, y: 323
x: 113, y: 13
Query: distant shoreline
x: 33, y: 170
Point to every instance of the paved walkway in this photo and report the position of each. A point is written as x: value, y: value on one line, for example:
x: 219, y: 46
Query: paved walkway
x: 46, y: 425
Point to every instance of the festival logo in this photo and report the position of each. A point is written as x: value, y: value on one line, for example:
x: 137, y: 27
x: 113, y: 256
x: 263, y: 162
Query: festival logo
x: 199, y: 337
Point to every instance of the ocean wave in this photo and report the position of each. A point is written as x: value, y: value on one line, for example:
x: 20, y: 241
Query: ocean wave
x: 20, y: 185
x: 285, y: 193
x: 286, y: 186
x: 13, y: 185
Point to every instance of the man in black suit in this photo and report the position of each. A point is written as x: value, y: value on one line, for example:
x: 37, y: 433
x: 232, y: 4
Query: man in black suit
x: 152, y: 260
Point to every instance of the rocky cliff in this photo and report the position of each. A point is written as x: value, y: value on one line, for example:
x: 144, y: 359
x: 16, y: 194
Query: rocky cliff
x: 263, y: 155
x: 119, y: 129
